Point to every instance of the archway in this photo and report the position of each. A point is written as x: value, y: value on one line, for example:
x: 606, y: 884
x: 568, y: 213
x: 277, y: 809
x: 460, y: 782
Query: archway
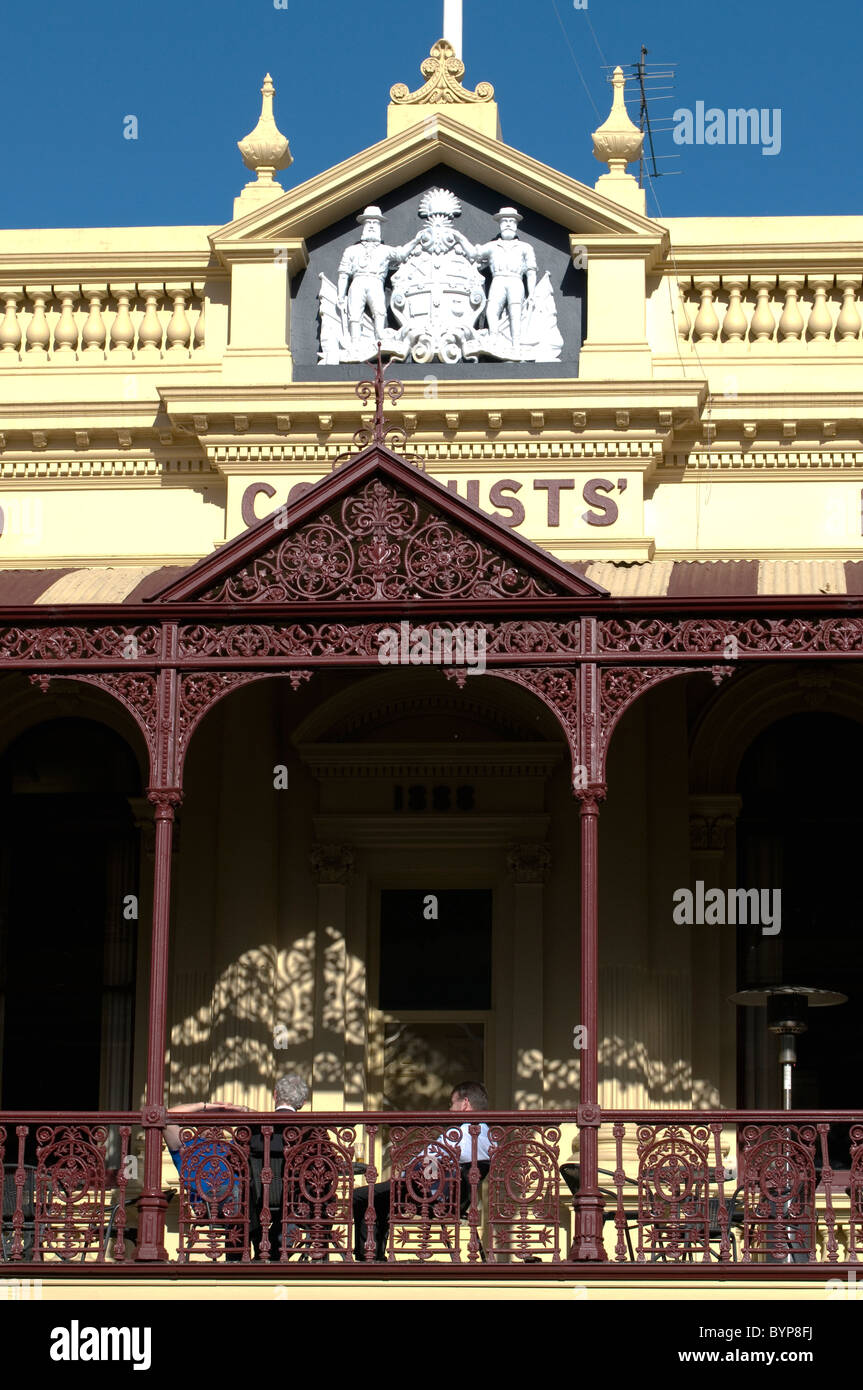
x: 799, y: 835
x: 68, y: 898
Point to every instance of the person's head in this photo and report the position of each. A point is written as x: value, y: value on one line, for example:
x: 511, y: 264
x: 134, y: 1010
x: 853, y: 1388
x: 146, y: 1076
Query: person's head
x: 508, y: 228
x: 470, y: 1095
x: 291, y: 1090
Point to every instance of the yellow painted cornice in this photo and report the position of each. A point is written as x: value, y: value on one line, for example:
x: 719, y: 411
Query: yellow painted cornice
x: 809, y: 258
x: 338, y: 192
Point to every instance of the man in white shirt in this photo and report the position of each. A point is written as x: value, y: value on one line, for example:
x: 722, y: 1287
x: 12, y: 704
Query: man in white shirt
x: 470, y: 1096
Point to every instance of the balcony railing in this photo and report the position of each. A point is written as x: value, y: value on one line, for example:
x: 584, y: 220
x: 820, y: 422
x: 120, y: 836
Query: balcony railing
x: 277, y: 1191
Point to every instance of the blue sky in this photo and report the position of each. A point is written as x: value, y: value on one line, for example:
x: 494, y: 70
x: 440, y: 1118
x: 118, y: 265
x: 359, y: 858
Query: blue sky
x: 191, y: 74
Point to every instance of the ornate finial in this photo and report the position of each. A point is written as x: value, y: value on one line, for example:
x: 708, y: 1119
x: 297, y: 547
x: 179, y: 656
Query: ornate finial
x: 265, y: 148
x: 380, y: 431
x: 617, y: 142
x: 443, y: 71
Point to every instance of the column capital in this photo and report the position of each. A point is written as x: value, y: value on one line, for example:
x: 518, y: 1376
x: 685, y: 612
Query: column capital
x: 332, y: 863
x: 711, y: 817
x: 529, y: 863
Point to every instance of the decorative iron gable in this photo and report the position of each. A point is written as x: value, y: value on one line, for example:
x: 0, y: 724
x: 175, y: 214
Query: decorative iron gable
x: 379, y: 543
x: 377, y: 530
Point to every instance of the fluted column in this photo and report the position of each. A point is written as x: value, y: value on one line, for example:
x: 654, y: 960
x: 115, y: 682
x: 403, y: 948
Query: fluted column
x: 332, y: 866
x: 713, y: 951
x: 528, y: 865
x: 589, y: 1202
x: 151, y: 1206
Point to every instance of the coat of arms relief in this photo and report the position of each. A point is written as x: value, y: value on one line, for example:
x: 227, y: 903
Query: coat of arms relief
x: 453, y: 301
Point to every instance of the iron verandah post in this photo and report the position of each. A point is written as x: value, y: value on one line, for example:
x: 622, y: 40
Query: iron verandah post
x: 165, y: 795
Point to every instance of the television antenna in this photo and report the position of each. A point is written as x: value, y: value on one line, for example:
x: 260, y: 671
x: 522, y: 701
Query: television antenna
x: 647, y: 75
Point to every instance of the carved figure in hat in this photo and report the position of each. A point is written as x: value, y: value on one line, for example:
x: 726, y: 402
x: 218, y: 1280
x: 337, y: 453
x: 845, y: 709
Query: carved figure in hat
x: 363, y: 271
x: 511, y: 262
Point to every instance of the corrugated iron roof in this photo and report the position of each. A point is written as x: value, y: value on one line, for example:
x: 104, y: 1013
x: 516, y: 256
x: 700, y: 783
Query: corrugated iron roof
x: 123, y: 584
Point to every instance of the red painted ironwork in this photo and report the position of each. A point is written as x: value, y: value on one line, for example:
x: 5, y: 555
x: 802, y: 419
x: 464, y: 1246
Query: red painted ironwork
x: 372, y: 544
x: 677, y: 1209
x: 779, y: 1192
x: 214, y: 1194
x: 317, y: 1193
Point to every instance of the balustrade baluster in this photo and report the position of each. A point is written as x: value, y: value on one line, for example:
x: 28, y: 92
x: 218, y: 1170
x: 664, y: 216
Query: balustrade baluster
x: 120, y: 1217
x: 66, y: 329
x: 763, y: 324
x: 619, y: 1132
x: 18, y: 1215
x: 827, y: 1184
x: 38, y: 334
x: 266, y: 1182
x: 150, y: 328
x: 93, y: 333
x: 820, y: 324
x: 848, y: 323
x: 10, y: 328
x: 707, y: 319
x: 791, y: 319
x: 179, y: 333
x: 684, y: 318
x: 722, y: 1214
x: 199, y: 291
x: 122, y: 329
x: 371, y: 1179
x: 734, y: 324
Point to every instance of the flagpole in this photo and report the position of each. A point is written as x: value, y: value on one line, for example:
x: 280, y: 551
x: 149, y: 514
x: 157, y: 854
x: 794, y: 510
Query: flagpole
x: 452, y: 24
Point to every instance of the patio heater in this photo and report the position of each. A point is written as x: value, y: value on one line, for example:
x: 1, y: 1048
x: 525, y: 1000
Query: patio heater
x: 787, y: 1014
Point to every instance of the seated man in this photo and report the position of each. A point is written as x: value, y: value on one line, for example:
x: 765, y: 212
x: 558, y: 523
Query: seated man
x: 470, y: 1096
x: 289, y: 1095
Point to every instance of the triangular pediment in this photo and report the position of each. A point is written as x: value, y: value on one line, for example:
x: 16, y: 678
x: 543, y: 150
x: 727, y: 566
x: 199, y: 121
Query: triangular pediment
x: 382, y: 168
x: 378, y: 530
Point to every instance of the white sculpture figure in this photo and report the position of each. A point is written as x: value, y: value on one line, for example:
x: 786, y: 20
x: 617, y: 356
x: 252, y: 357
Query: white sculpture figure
x: 363, y: 271
x: 511, y: 262
x: 438, y: 294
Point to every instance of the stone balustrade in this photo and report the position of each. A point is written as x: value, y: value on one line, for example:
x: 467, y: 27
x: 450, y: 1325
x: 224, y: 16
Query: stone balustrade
x: 736, y: 313
x: 91, y: 323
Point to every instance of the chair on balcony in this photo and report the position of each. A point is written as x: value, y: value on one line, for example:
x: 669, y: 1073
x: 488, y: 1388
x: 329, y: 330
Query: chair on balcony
x: 778, y: 1188
x: 68, y: 1227
x: 214, y: 1197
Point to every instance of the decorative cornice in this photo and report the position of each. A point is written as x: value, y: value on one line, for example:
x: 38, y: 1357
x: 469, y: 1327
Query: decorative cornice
x: 386, y: 761
x: 431, y: 830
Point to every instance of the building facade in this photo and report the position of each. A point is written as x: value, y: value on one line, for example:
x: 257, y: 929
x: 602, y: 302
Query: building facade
x: 398, y: 736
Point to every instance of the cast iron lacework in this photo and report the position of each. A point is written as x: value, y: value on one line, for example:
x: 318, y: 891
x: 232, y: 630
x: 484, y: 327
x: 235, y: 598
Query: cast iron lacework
x: 381, y: 545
